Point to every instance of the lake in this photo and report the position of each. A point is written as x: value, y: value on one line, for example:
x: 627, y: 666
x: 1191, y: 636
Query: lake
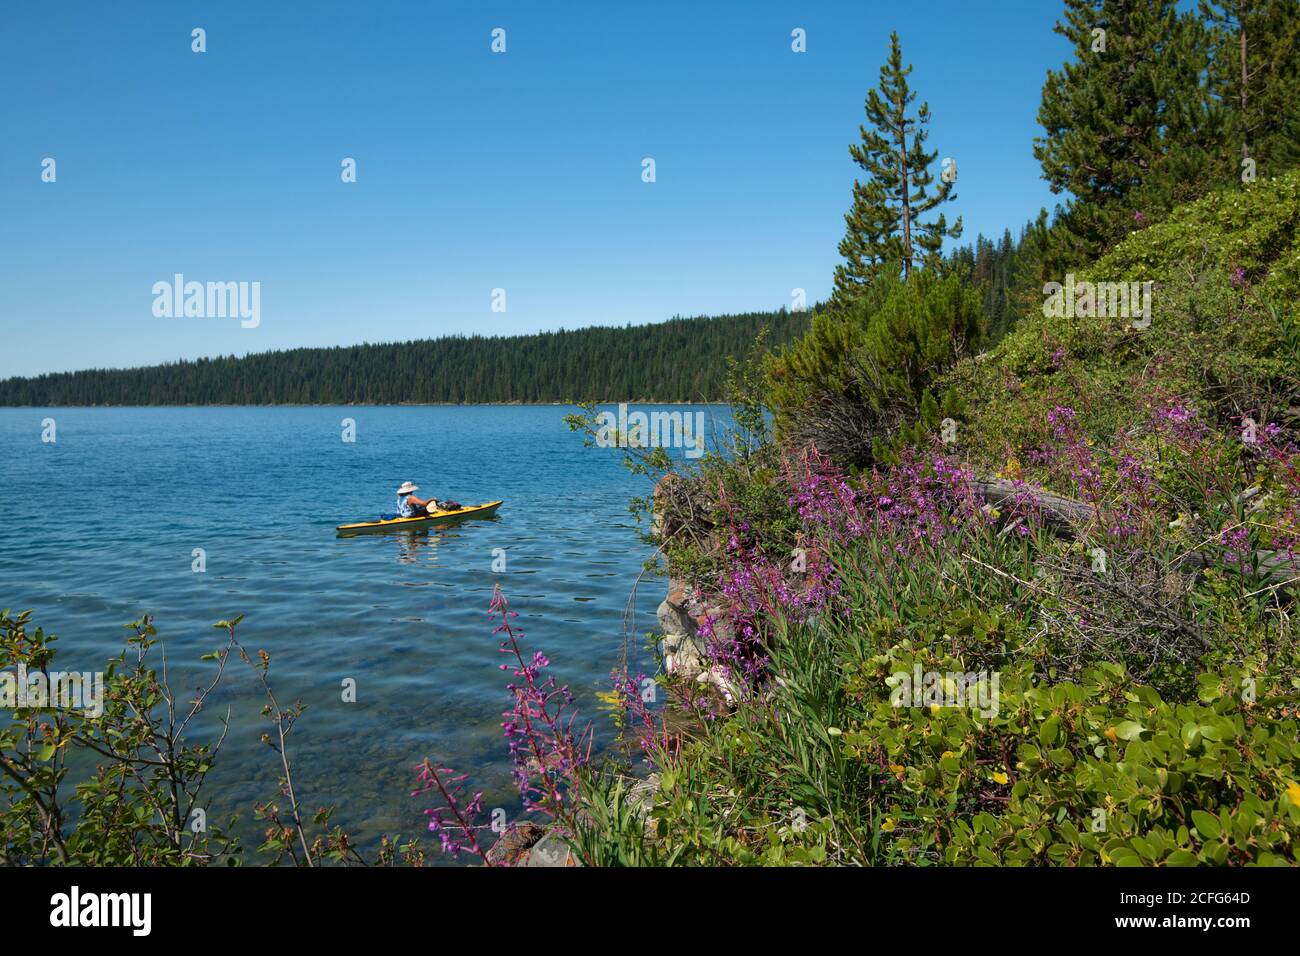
x: 102, y: 524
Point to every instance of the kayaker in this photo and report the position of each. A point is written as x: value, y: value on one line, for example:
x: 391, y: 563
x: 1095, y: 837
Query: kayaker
x: 409, y: 506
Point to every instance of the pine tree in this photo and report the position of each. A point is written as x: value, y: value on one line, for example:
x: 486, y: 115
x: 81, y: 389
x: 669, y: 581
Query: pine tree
x: 1255, y: 78
x: 884, y: 232
x: 861, y: 379
x: 1127, y: 126
x: 1030, y: 269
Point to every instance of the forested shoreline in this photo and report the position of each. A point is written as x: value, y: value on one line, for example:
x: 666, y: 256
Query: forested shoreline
x: 675, y: 361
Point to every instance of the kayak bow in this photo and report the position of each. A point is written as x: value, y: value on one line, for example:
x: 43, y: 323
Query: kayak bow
x: 467, y: 511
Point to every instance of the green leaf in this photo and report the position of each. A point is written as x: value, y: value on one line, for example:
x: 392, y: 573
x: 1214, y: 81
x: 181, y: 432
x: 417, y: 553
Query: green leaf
x: 1125, y: 857
x: 1048, y: 733
x: 1129, y: 729
x: 1207, y: 825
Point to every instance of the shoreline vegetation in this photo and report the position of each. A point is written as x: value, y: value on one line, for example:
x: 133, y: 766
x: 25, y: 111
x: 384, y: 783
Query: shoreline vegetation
x: 977, y: 578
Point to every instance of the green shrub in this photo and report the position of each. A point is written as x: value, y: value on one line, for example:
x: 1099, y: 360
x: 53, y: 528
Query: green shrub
x: 863, y: 373
x: 120, y: 783
x: 1103, y: 772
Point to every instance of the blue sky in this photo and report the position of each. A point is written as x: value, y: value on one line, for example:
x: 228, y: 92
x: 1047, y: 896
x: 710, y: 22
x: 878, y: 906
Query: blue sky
x: 475, y: 170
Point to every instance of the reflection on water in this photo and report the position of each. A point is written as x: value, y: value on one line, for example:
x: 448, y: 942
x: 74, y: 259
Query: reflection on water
x: 411, y: 543
x: 416, y: 544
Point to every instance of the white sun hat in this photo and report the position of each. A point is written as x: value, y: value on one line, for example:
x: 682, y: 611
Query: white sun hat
x: 407, y: 488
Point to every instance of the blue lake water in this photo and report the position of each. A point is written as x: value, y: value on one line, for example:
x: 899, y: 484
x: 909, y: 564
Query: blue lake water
x: 101, y: 524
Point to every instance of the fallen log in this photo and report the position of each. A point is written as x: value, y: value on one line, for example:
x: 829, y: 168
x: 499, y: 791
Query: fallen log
x: 1057, y: 511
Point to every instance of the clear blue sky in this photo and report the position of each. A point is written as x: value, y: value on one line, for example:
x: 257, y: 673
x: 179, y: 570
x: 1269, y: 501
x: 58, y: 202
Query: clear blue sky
x: 475, y: 170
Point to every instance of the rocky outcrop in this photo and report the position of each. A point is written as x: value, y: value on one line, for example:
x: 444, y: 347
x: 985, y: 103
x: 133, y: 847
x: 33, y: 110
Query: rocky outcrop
x: 685, y: 651
x: 514, y: 846
x: 529, y: 843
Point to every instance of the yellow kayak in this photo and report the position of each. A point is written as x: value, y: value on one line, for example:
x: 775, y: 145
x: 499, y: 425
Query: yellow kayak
x: 466, y: 511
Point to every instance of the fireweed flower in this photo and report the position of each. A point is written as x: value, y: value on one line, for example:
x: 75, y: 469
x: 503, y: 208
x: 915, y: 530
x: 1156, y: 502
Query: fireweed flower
x: 1061, y: 418
x: 754, y: 587
x: 1236, y: 544
x: 453, y: 820
x: 546, y: 752
x: 1070, y: 456
x: 632, y: 712
x: 823, y: 498
x: 1178, y: 422
x: 917, y: 503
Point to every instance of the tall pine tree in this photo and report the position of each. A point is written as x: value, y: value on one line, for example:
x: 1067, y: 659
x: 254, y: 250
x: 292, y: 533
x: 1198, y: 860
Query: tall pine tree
x: 1255, y: 79
x: 1127, y: 126
x: 885, y: 232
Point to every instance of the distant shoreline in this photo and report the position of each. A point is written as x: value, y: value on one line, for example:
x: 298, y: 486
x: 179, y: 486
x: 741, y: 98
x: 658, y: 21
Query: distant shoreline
x: 676, y: 358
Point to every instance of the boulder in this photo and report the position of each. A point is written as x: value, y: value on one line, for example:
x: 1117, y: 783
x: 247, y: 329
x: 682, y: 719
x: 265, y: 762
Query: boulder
x: 550, y: 850
x: 513, y: 847
x: 681, y: 615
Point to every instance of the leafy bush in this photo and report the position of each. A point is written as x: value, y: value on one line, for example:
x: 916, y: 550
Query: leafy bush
x: 863, y: 374
x: 1102, y: 772
x: 140, y: 801
x: 137, y: 807
x: 1224, y: 331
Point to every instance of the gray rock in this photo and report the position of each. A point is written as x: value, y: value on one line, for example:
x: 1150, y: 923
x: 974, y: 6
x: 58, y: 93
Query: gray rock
x: 641, y: 797
x: 680, y: 616
x: 682, y: 648
x: 550, y: 850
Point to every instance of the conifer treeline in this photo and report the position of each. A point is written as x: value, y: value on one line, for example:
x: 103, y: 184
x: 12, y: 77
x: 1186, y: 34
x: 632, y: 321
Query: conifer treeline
x: 683, y: 359
x: 1008, y: 273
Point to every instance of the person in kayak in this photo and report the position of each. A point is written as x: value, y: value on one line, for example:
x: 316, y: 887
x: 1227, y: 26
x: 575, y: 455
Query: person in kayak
x: 409, y: 506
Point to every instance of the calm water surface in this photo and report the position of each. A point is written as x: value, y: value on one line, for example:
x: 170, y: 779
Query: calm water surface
x: 100, y: 527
